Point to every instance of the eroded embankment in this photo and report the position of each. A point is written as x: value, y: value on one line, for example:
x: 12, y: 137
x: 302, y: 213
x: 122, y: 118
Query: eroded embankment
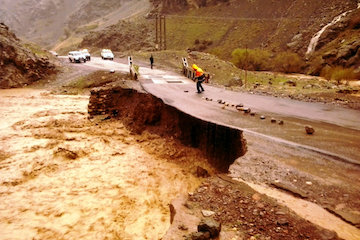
x: 141, y: 111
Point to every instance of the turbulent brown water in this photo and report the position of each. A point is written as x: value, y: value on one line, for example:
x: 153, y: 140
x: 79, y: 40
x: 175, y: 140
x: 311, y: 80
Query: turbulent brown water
x: 65, y: 177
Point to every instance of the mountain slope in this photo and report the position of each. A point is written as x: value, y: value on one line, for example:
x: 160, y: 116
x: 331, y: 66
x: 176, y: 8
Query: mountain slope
x: 220, y: 26
x: 47, y: 21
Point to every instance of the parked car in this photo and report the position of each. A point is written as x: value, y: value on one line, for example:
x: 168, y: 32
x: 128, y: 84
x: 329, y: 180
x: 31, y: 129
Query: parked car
x: 76, y: 56
x: 107, y: 54
x: 86, y: 54
x: 54, y: 53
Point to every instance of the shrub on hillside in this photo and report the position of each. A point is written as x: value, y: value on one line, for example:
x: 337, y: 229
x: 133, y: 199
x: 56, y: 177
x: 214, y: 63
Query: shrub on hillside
x: 251, y: 59
x: 339, y: 73
x: 288, y: 62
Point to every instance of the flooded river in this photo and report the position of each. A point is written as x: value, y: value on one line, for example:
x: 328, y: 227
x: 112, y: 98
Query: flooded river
x: 64, y: 176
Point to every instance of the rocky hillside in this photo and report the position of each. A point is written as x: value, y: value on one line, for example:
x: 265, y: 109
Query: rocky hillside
x: 220, y: 26
x: 19, y: 66
x: 339, y: 45
x: 123, y: 36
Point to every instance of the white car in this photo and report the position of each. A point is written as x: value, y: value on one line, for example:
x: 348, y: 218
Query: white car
x: 107, y: 54
x: 86, y: 54
x: 54, y: 53
x: 76, y: 56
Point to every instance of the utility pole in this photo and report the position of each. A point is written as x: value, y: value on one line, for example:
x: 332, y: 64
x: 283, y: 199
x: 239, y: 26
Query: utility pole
x: 160, y: 29
x: 161, y: 33
x: 164, y: 22
x: 157, y: 34
x: 246, y: 64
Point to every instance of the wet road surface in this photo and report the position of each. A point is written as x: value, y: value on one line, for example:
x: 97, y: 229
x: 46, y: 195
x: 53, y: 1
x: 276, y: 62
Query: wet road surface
x: 337, y: 129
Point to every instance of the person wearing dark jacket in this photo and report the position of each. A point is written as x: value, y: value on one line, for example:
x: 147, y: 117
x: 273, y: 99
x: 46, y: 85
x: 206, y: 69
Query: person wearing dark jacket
x: 151, y: 61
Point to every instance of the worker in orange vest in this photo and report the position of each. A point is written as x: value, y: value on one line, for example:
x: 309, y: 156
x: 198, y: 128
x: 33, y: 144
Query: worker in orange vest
x: 199, y: 78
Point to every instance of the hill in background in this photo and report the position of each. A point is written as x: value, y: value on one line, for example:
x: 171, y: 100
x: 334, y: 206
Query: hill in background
x: 45, y: 22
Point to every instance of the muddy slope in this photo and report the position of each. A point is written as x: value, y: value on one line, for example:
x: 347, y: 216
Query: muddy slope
x: 18, y: 65
x: 141, y: 111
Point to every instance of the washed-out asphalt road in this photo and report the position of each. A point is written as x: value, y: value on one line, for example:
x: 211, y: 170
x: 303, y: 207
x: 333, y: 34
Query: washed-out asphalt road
x: 337, y: 129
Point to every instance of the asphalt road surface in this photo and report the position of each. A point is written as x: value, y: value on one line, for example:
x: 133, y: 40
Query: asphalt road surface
x: 337, y: 129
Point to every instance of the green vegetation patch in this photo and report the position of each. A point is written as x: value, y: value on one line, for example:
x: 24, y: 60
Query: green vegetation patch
x: 183, y: 34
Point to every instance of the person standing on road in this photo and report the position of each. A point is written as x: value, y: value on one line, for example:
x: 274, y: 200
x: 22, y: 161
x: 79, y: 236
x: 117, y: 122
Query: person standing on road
x: 199, y: 78
x: 151, y: 61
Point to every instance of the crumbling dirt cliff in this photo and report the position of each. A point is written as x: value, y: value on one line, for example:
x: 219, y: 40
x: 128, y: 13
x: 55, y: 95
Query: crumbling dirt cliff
x: 141, y: 111
x: 18, y: 65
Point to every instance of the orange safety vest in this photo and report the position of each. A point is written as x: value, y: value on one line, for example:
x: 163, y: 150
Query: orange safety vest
x: 199, y: 72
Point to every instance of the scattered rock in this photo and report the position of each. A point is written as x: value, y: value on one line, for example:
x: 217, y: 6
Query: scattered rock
x: 199, y: 236
x: 247, y: 110
x: 211, y: 226
x: 262, y: 117
x: 201, y: 172
x: 207, y: 213
x: 256, y: 197
x: 291, y: 83
x: 281, y: 122
x: 106, y: 118
x: 183, y: 227
x: 309, y: 130
x: 273, y: 120
x: 327, y: 235
x: 240, y: 105
x: 282, y: 222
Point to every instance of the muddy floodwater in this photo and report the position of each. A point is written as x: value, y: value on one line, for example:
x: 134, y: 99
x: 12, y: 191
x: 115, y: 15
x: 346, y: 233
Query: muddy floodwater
x: 64, y: 176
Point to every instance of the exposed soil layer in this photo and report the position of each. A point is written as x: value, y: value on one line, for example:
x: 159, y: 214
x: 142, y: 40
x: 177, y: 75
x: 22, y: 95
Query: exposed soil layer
x: 243, y: 213
x: 140, y: 111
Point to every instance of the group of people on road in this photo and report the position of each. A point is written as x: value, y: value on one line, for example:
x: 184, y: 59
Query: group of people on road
x: 199, y: 75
